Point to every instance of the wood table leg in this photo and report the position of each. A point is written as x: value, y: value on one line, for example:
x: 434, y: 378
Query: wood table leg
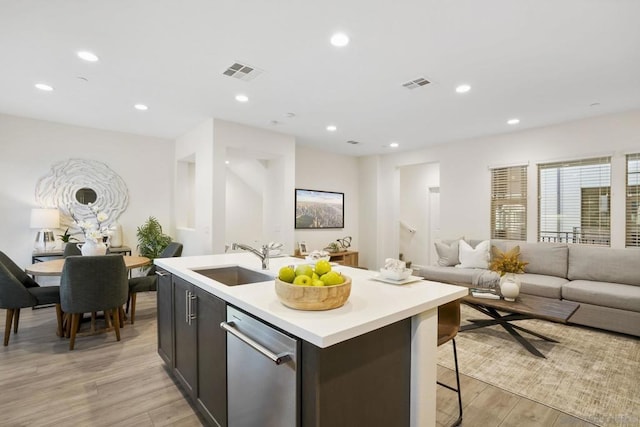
x: 116, y: 322
x: 7, y: 326
x: 16, y: 319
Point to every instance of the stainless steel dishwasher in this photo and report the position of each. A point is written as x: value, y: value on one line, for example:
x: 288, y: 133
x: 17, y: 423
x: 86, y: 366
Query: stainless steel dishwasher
x: 262, y: 373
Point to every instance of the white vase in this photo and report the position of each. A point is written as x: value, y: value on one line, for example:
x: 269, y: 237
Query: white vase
x: 116, y: 238
x: 92, y: 248
x: 510, y: 286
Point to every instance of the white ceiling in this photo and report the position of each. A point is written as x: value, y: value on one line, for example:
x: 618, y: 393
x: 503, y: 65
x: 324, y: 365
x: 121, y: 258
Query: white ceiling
x: 543, y: 61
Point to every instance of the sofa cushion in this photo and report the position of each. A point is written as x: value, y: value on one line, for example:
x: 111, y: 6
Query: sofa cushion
x: 449, y: 274
x: 543, y: 258
x: 447, y: 251
x: 477, y: 257
x: 603, y: 264
x: 613, y: 295
x: 541, y: 285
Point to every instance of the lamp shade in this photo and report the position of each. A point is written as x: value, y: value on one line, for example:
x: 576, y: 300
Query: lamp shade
x: 45, y: 218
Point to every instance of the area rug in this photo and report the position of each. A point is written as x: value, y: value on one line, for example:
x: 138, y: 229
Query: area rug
x: 590, y: 374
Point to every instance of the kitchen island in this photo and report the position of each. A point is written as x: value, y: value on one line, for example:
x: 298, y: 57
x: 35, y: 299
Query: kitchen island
x: 401, y: 318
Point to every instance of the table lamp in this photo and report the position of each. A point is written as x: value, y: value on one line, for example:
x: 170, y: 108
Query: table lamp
x: 45, y: 220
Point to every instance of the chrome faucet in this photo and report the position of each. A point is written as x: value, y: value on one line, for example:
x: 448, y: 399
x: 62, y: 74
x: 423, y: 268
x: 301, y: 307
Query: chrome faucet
x: 263, y: 254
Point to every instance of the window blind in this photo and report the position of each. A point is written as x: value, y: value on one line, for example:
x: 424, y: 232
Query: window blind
x: 632, y: 233
x: 509, y: 203
x: 574, y: 201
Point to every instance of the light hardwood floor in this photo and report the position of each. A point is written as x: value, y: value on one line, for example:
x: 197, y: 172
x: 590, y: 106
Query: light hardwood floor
x: 105, y: 383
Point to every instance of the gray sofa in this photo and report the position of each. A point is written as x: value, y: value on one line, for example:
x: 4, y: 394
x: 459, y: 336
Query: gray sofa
x: 604, y: 281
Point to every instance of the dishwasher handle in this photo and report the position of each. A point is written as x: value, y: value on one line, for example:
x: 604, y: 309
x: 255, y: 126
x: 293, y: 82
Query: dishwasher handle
x: 277, y: 358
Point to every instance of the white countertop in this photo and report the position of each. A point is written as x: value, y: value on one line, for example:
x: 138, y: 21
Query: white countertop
x: 370, y: 306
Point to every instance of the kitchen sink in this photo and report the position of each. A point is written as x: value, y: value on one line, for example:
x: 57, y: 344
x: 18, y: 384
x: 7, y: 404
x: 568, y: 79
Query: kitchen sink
x: 234, y: 275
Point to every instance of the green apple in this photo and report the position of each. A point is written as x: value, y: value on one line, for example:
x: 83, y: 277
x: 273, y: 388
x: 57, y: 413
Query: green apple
x: 332, y: 278
x: 315, y: 276
x: 317, y: 282
x: 323, y: 267
x: 302, y: 280
x: 287, y: 274
x: 304, y: 270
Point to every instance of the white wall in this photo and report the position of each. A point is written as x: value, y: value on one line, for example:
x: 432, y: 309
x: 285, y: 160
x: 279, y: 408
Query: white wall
x: 243, y: 211
x: 218, y: 214
x: 30, y: 147
x: 195, y: 146
x: 321, y: 170
x: 415, y: 181
x: 465, y: 175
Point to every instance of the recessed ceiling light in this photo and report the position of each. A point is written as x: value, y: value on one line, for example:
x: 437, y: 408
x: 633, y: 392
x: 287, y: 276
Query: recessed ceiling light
x: 226, y: 162
x: 242, y: 98
x: 513, y: 121
x: 141, y: 107
x: 339, y: 39
x: 394, y: 145
x: 44, y: 87
x: 463, y: 88
x: 87, y: 56
x: 332, y: 128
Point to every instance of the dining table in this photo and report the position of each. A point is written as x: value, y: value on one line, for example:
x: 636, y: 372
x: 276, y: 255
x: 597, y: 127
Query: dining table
x: 55, y: 266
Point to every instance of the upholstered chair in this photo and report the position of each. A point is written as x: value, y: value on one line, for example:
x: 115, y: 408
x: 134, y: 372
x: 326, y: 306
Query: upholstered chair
x: 71, y: 249
x: 148, y: 283
x: 17, y: 272
x: 448, y: 326
x: 92, y: 284
x: 14, y: 296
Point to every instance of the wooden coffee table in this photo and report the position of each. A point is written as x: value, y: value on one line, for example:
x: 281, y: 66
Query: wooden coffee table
x: 525, y: 307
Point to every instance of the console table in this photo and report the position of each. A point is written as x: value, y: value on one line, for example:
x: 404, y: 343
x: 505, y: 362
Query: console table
x: 37, y: 256
x: 348, y: 258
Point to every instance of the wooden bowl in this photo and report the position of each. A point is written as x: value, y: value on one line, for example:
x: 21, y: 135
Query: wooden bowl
x: 313, y: 297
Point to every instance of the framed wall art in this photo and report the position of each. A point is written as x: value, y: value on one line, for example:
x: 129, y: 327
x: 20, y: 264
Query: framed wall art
x: 319, y: 209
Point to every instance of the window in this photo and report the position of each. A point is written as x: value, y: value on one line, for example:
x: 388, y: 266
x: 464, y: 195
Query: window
x: 509, y: 203
x: 632, y: 234
x: 574, y: 201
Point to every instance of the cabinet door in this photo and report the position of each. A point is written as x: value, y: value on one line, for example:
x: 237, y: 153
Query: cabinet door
x: 164, y: 299
x: 185, y: 355
x: 212, y: 360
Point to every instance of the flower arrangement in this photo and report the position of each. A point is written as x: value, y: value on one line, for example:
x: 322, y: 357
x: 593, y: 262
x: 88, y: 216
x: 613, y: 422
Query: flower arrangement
x: 507, y: 262
x: 96, y: 231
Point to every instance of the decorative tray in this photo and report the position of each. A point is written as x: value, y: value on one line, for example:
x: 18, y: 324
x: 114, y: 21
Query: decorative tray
x: 409, y: 279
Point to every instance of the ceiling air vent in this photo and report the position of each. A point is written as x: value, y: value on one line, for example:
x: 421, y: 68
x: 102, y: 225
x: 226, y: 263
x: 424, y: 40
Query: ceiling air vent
x: 242, y: 71
x: 412, y: 84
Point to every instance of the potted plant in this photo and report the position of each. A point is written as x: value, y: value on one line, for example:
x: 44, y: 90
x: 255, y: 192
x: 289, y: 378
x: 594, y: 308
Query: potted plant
x: 509, y: 266
x: 151, y: 239
x: 66, y: 237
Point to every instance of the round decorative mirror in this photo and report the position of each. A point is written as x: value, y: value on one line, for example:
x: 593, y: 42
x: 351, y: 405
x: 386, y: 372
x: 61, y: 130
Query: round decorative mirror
x: 72, y: 184
x: 86, y: 195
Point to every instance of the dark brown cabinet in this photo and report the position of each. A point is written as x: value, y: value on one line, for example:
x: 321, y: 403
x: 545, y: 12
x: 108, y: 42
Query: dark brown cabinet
x: 165, y: 315
x: 212, y: 361
x: 361, y: 381
x: 184, y: 337
x: 193, y: 345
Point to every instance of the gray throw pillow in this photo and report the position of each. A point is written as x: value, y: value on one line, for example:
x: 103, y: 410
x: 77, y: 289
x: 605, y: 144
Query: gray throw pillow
x: 447, y: 251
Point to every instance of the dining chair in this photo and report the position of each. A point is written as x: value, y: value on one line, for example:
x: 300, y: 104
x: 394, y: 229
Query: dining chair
x: 14, y: 295
x: 93, y: 284
x: 448, y: 326
x: 17, y: 272
x: 71, y: 249
x: 149, y: 282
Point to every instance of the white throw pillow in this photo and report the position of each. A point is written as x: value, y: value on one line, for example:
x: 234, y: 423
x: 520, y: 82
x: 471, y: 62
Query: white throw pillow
x: 448, y: 252
x: 474, y: 258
